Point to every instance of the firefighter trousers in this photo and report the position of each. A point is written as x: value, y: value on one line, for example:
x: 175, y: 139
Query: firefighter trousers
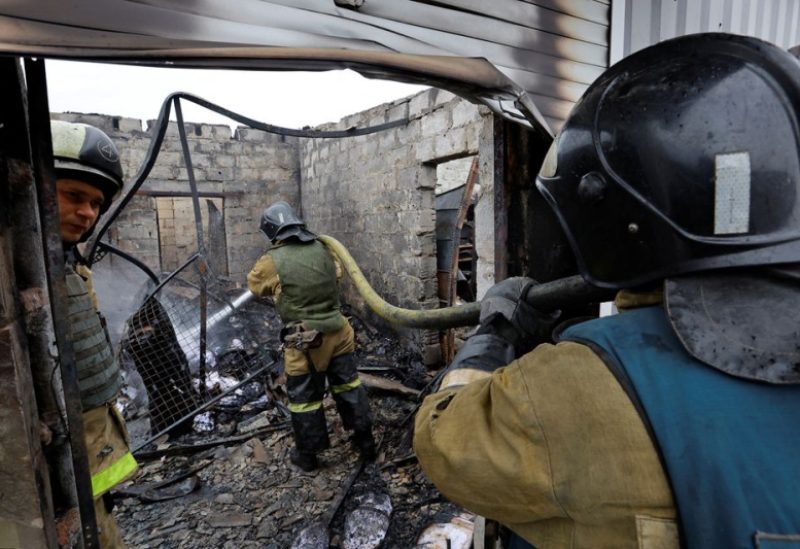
x: 308, y: 373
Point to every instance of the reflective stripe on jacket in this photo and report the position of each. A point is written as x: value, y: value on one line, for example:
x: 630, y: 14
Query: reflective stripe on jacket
x: 110, y: 458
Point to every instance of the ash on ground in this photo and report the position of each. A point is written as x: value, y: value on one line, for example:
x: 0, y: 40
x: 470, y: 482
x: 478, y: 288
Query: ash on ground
x: 223, y: 480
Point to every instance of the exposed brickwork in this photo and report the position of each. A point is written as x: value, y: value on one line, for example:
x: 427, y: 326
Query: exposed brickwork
x: 374, y: 193
x: 250, y: 169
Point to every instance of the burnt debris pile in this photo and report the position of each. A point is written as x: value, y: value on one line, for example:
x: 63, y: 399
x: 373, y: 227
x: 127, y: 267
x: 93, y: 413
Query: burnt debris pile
x: 212, y: 436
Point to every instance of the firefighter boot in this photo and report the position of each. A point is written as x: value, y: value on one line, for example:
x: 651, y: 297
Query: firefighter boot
x: 305, y: 460
x: 365, y: 444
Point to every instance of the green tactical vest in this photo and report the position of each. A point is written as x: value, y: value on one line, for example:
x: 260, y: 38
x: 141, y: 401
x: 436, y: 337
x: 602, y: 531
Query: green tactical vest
x: 99, y: 377
x: 308, y: 286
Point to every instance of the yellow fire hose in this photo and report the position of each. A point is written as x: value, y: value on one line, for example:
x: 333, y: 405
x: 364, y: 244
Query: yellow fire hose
x: 448, y: 317
x: 565, y: 292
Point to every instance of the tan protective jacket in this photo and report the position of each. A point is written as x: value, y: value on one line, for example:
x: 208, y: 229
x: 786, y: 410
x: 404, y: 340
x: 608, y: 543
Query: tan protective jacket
x: 552, y: 447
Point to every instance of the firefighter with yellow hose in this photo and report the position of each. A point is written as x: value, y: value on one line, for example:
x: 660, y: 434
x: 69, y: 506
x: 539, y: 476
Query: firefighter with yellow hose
x: 318, y: 342
x: 88, y: 179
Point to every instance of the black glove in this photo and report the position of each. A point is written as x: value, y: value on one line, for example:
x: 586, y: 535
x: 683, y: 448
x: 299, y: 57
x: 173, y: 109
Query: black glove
x: 505, y: 312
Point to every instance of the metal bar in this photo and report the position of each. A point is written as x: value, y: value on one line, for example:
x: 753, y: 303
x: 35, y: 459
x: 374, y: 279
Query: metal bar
x: 105, y: 246
x: 139, y: 489
x: 41, y: 149
x: 203, y: 329
x: 202, y: 264
x: 187, y: 160
x: 327, y: 517
x: 149, y: 161
x: 500, y: 198
x: 452, y: 280
x: 194, y: 448
x: 174, y: 274
x: 25, y: 336
x: 466, y: 200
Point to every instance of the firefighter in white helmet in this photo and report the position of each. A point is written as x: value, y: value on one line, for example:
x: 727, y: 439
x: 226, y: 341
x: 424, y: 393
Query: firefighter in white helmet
x: 88, y: 179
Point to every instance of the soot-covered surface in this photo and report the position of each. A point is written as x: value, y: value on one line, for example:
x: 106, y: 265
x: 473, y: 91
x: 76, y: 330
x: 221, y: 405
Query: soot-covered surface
x: 239, y: 490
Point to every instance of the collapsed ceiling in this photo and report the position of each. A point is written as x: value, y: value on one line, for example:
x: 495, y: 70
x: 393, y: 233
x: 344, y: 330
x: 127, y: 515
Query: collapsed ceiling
x: 528, y: 60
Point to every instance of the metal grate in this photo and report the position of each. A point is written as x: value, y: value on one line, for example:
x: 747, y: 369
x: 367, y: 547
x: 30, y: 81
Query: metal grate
x: 184, y: 369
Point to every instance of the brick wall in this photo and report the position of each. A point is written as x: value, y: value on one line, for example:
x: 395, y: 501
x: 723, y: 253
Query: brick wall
x: 247, y: 171
x: 374, y: 193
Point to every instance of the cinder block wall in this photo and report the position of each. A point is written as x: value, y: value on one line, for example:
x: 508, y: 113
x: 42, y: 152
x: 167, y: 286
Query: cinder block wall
x: 249, y: 169
x: 375, y: 194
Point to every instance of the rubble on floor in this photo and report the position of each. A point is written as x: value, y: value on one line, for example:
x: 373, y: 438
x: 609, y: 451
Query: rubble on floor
x: 226, y: 482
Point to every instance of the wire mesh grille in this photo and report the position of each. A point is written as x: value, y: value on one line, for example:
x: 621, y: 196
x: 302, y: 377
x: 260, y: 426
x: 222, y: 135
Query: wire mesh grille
x: 182, y: 368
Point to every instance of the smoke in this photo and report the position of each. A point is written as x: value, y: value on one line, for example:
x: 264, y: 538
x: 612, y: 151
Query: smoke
x: 121, y: 288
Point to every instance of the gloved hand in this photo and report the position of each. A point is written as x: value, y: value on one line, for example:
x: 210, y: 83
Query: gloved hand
x: 505, y: 313
x: 509, y: 328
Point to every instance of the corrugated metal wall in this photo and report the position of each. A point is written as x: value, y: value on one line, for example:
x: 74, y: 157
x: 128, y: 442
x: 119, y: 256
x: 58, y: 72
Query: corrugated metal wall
x: 637, y: 24
x: 563, y: 49
x: 551, y: 49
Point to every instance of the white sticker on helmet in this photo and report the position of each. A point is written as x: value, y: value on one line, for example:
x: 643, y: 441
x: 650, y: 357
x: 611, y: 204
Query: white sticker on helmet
x: 280, y: 217
x: 732, y: 193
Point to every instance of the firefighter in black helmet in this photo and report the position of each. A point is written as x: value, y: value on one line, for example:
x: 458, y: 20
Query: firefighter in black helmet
x: 674, y: 423
x: 88, y: 178
x: 301, y: 274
